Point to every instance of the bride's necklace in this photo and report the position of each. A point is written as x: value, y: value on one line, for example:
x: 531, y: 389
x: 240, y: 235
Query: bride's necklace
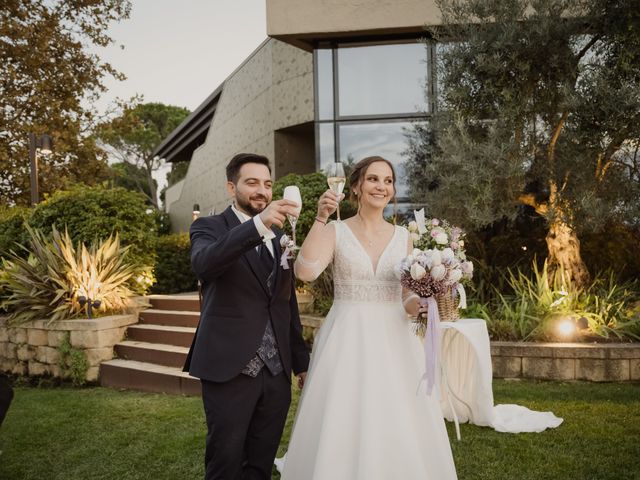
x: 369, y: 242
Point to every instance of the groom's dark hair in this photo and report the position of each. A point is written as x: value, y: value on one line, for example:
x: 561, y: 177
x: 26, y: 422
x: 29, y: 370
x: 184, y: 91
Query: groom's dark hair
x: 236, y: 163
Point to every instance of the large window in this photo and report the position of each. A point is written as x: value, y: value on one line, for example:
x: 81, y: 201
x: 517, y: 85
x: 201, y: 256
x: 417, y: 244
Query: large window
x: 367, y: 96
x: 382, y: 79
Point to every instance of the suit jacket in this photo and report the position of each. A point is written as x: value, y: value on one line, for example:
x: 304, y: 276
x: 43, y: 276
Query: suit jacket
x: 237, y: 303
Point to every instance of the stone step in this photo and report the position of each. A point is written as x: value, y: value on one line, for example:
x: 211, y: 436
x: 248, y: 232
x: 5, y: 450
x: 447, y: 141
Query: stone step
x: 147, y: 377
x: 178, y: 318
x: 187, y: 303
x: 166, y: 334
x: 158, y: 353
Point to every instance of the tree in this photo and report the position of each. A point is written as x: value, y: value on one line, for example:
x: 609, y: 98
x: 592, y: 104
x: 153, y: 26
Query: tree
x: 133, y: 135
x: 47, y: 77
x: 539, y: 108
x: 131, y: 177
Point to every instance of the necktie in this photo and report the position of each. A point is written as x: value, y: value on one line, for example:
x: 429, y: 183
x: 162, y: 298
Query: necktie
x: 265, y: 257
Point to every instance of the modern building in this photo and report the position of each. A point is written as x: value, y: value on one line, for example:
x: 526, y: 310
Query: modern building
x: 336, y: 80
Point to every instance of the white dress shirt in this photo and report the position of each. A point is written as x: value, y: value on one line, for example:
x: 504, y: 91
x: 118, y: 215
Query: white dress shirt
x: 266, y: 233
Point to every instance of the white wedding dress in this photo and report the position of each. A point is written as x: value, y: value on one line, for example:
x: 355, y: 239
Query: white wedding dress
x: 361, y: 416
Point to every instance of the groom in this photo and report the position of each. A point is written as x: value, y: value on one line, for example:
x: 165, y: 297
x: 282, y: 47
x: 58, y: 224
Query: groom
x: 249, y: 337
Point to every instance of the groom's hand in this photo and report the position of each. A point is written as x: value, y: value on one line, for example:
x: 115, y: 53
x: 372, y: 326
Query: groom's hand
x: 301, y: 379
x: 277, y: 211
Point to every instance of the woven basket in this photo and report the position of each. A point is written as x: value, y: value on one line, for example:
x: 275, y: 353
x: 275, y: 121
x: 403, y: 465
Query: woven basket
x: 447, y: 307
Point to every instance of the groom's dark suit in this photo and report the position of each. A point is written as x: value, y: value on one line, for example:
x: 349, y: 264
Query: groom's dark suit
x: 245, y: 414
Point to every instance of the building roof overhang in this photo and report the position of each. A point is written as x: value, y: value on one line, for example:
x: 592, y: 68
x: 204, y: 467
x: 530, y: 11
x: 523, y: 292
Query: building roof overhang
x: 308, y: 23
x: 191, y: 133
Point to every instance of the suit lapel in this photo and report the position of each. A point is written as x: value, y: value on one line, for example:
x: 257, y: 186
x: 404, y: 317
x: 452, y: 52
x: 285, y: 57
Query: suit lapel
x: 250, y: 257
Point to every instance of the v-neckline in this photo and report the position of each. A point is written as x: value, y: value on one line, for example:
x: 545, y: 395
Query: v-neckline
x: 374, y: 268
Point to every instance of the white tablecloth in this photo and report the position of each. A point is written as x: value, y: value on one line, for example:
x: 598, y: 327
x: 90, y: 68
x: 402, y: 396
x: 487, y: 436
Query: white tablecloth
x: 466, y: 382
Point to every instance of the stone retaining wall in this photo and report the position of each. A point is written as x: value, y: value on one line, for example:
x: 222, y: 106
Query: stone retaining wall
x: 595, y: 362
x: 33, y: 348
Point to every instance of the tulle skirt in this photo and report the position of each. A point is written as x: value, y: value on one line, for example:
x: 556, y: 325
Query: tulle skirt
x: 361, y: 415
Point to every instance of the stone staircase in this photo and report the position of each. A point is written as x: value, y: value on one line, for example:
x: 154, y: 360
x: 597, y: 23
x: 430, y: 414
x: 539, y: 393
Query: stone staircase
x: 152, y: 356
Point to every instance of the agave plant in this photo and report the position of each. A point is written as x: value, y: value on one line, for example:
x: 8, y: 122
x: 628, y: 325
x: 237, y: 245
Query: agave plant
x: 56, y: 273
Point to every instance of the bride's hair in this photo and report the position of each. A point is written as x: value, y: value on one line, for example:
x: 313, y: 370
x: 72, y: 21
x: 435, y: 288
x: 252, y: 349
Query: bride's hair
x: 357, y: 177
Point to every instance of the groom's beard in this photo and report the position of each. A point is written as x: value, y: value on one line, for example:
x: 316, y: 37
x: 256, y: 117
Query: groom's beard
x: 244, y: 204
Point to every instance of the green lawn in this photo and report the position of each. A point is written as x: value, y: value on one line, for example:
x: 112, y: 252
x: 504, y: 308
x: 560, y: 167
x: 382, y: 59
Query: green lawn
x: 96, y: 433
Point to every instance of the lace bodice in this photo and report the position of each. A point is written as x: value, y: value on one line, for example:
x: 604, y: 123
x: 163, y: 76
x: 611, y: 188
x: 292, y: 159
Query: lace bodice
x: 354, y: 277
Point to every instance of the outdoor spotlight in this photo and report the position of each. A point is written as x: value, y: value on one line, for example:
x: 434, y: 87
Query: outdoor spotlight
x: 91, y: 304
x: 196, y: 211
x: 566, y: 327
x: 582, y: 323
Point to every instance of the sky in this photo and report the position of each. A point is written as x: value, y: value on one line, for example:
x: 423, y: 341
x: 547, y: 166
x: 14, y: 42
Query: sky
x: 178, y: 52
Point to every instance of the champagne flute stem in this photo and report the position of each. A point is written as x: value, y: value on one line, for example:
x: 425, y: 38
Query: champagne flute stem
x: 338, y: 211
x: 293, y: 229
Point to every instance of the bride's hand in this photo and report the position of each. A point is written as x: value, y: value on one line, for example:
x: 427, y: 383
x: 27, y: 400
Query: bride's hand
x: 413, y: 306
x: 328, y: 204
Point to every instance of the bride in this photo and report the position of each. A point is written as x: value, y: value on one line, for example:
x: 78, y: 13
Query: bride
x: 360, y: 415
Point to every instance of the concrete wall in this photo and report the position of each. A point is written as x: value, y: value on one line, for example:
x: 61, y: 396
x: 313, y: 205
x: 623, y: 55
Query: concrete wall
x: 172, y: 194
x: 271, y: 90
x: 294, y: 147
x: 291, y: 19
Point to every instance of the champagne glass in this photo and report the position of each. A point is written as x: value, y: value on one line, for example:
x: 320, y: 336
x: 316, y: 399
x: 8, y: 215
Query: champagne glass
x: 336, y: 180
x: 292, y: 193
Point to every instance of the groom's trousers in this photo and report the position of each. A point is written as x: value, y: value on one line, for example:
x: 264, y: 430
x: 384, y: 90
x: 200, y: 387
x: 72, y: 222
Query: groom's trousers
x: 245, y: 418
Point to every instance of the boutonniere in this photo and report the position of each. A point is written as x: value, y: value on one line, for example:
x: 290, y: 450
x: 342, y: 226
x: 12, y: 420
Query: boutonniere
x: 287, y: 246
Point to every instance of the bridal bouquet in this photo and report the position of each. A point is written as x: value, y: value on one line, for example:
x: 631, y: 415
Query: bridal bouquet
x: 435, y: 270
x: 438, y: 265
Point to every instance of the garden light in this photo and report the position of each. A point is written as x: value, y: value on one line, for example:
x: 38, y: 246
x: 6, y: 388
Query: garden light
x: 566, y: 327
x: 91, y: 304
x: 38, y: 144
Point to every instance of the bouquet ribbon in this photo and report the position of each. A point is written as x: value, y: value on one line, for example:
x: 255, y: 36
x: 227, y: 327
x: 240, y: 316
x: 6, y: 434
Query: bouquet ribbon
x: 419, y: 216
x: 431, y: 342
x: 463, y: 296
x: 286, y: 255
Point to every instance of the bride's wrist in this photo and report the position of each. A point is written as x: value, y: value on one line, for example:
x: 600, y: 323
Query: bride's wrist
x: 321, y: 219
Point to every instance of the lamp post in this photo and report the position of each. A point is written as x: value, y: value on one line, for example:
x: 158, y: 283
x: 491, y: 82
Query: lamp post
x: 37, y: 143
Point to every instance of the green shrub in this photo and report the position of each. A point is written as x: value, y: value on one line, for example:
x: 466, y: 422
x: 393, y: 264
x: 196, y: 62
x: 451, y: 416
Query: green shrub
x: 173, y: 265
x: 51, y: 281
x: 12, y: 229
x: 92, y: 213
